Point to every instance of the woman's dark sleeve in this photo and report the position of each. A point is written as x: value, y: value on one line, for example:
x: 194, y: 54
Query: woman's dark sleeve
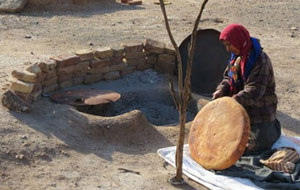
x: 224, y: 84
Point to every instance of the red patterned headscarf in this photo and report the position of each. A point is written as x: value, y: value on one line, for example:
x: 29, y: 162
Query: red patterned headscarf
x: 238, y: 36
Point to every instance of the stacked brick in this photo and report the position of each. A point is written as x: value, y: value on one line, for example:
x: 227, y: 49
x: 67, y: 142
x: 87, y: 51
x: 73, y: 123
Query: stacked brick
x: 89, y: 66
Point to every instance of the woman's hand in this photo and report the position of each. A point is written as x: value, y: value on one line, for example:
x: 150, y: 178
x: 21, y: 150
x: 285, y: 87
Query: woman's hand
x: 217, y: 94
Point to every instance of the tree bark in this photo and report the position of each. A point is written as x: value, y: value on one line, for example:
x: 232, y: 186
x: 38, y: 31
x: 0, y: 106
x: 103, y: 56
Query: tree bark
x: 184, y: 90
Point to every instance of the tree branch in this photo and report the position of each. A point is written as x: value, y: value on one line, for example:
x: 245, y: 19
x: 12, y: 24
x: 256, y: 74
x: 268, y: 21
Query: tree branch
x: 184, y: 91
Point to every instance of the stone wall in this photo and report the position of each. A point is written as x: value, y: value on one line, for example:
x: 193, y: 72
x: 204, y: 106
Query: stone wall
x: 90, y: 66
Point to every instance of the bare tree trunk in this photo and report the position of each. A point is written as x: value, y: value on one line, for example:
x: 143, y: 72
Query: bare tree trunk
x: 184, y: 90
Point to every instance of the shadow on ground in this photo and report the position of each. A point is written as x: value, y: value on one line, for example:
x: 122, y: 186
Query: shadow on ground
x: 288, y: 122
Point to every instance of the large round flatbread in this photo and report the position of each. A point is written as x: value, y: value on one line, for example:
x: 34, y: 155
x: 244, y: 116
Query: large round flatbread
x: 219, y: 134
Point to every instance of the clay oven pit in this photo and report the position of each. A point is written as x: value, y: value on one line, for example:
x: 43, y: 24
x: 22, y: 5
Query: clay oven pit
x: 136, y: 72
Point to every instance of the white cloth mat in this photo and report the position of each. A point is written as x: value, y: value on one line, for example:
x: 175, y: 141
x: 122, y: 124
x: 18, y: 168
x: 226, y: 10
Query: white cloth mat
x: 218, y: 182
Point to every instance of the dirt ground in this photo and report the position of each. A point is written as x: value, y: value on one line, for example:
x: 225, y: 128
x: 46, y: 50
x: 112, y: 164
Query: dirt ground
x: 66, y: 150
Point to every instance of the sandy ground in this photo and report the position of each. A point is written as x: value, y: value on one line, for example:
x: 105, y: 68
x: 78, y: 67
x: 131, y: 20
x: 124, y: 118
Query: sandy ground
x: 61, y: 150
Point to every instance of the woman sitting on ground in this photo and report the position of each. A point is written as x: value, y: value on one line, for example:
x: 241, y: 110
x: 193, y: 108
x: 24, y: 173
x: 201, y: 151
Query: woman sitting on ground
x: 249, y: 79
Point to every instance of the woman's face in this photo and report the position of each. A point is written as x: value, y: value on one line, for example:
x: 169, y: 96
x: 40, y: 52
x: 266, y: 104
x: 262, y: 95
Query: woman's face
x: 231, y: 48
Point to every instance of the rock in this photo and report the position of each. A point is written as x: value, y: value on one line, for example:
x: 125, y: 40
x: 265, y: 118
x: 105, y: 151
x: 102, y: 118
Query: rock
x: 100, y: 62
x: 118, y: 67
x: 67, y: 60
x: 20, y: 86
x: 88, y: 79
x: 132, y: 55
x: 154, y: 46
x: 82, y: 66
x: 112, y: 75
x: 133, y: 47
x: 10, y: 6
x: 85, y: 54
x: 294, y: 28
x: 78, y: 80
x: 34, y: 69
x: 24, y: 137
x: 11, y: 101
x: 127, y: 70
x: 47, y: 65
x: 165, y: 67
x: 166, y: 58
x: 25, y: 76
x: 65, y: 84
x: 20, y: 156
x: 104, y: 52
x: 80, y: 2
x: 49, y: 89
x: 135, y: 2
x: 152, y: 59
x: 118, y: 51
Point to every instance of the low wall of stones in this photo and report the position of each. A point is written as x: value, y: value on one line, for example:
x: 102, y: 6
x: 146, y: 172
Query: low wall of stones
x: 90, y: 66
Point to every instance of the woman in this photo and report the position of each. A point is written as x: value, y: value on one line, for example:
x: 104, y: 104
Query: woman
x: 249, y: 79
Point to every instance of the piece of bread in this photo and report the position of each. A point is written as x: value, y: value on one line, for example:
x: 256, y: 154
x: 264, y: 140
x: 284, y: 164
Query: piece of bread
x: 219, y: 134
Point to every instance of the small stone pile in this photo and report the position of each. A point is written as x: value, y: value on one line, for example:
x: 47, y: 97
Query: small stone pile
x: 89, y: 66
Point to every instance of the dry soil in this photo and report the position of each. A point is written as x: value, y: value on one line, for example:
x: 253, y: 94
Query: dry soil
x: 66, y: 150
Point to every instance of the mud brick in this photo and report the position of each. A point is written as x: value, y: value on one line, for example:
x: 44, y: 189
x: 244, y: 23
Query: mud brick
x: 79, y: 74
x: 88, y: 79
x: 65, y: 84
x: 135, y: 2
x: 112, y: 75
x: 51, y: 74
x: 37, y: 87
x: 47, y: 65
x: 170, y: 51
x: 48, y: 89
x: 34, y: 69
x: 25, y: 76
x: 37, y: 94
x: 96, y: 62
x: 78, y: 80
x: 127, y: 70
x: 82, y: 66
x: 154, y: 46
x: 41, y: 78
x: 135, y: 61
x: 166, y: 58
x: 64, y: 77
x: 115, y: 60
x: 33, y: 96
x: 85, y: 54
x: 50, y: 81
x: 80, y: 2
x: 98, y: 70
x: 133, y: 47
x: 151, y: 59
x: 145, y: 66
x: 24, y: 96
x: 20, y: 86
x: 132, y: 55
x: 118, y: 67
x: 118, y: 51
x: 104, y: 52
x: 165, y: 67
x: 67, y: 60
x: 66, y: 70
